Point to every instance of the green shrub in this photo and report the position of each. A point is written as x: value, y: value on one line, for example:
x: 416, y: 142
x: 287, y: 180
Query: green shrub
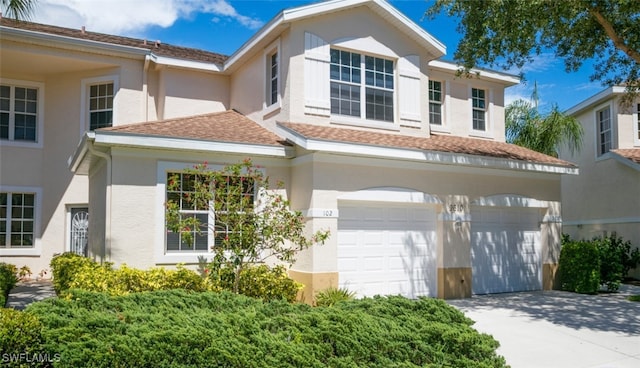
x: 616, y: 260
x: 71, y: 271
x: 634, y: 298
x: 260, y: 282
x: 211, y: 329
x: 331, y: 296
x: 579, y: 266
x: 21, y: 339
x: 8, y: 280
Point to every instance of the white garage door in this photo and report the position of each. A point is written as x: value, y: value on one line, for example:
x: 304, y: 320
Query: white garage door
x: 505, y: 249
x: 387, y: 249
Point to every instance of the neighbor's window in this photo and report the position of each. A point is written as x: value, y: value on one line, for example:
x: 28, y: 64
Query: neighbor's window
x: 100, y: 105
x: 212, y: 215
x: 348, y: 71
x: 18, y: 113
x: 435, y: 102
x: 603, y: 118
x: 17, y: 220
x: 479, y: 109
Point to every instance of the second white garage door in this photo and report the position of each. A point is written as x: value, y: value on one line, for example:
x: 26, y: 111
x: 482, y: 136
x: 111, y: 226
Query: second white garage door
x: 505, y: 249
x: 387, y: 249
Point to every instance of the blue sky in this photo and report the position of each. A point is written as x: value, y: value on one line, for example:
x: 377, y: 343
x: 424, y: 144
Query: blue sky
x: 224, y: 25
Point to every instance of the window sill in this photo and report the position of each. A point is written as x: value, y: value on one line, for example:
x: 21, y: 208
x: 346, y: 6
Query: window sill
x: 20, y: 252
x: 439, y: 128
x: 481, y: 134
x: 175, y: 258
x: 267, y: 111
x: 364, y: 123
x: 20, y: 144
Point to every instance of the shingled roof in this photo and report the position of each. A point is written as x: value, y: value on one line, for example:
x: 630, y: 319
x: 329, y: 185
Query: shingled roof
x: 439, y: 143
x: 160, y: 49
x: 632, y: 154
x: 228, y: 126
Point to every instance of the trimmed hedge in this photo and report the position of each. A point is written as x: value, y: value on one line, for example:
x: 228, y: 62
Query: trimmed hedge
x: 8, y: 280
x: 579, y: 266
x: 260, y: 282
x: 180, y: 329
x: 20, y: 339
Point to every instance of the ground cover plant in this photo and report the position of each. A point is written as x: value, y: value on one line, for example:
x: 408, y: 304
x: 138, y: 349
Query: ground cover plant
x: 8, y: 280
x: 178, y: 328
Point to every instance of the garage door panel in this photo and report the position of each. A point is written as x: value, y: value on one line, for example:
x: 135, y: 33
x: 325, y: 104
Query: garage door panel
x: 505, y: 250
x: 392, y: 245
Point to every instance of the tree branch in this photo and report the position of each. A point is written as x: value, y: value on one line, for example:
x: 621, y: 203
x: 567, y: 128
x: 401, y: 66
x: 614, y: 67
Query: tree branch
x: 611, y: 32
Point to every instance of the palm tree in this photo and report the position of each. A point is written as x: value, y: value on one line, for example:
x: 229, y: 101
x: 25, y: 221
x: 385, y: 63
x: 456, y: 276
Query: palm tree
x: 18, y: 9
x: 526, y: 127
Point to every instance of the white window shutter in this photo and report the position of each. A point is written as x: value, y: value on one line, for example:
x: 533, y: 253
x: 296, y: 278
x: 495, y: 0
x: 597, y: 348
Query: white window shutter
x: 316, y: 75
x: 409, y: 91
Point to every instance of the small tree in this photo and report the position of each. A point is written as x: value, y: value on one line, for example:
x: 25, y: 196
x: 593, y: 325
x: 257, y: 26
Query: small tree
x: 252, y: 222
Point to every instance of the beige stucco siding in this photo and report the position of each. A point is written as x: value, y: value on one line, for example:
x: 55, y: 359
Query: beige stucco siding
x: 192, y: 93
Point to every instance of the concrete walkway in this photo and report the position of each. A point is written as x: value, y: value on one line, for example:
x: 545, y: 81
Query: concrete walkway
x: 559, y: 329
x: 25, y: 293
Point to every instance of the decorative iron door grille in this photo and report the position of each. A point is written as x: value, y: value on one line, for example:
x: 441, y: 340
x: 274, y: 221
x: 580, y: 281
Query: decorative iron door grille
x: 79, y: 230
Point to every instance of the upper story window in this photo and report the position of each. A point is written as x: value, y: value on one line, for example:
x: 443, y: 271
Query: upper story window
x: 18, y: 113
x: 637, y: 125
x: 17, y: 220
x: 101, y: 105
x: 435, y: 102
x: 273, y: 79
x: 479, y: 109
x: 605, y: 136
x: 347, y: 72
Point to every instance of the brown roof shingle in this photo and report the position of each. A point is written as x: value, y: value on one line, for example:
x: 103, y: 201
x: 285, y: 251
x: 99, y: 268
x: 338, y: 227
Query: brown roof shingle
x: 227, y: 126
x: 632, y: 154
x: 160, y: 49
x: 440, y: 143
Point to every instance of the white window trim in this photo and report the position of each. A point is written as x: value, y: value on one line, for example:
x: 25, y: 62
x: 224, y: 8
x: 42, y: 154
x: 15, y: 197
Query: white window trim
x: 161, y: 256
x: 444, y: 113
x: 40, y: 113
x: 488, y: 113
x: 270, y: 50
x: 36, y: 250
x: 362, y: 121
x: 596, y: 141
x: 636, y: 121
x: 84, y: 99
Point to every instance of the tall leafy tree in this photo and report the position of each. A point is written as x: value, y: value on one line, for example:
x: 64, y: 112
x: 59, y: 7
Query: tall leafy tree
x: 507, y: 33
x: 546, y: 133
x: 18, y: 9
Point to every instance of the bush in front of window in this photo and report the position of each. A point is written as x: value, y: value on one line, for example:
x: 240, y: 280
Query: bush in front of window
x: 260, y: 282
x: 8, y: 280
x: 176, y: 328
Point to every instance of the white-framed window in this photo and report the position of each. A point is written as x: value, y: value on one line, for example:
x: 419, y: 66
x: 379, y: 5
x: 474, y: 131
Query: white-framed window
x: 19, y: 220
x: 272, y: 77
x: 435, y: 102
x: 21, y: 112
x: 604, y: 130
x: 352, y: 76
x: 173, y: 248
x: 479, y: 109
x: 98, y: 102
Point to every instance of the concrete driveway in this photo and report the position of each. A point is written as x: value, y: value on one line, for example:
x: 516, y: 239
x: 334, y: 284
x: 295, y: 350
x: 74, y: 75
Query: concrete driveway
x: 560, y: 329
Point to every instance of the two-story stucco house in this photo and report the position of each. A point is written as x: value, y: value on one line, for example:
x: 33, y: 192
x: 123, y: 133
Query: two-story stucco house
x: 347, y: 102
x: 605, y: 197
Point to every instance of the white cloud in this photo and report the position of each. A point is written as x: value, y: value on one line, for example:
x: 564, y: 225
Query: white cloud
x: 541, y: 63
x: 122, y: 17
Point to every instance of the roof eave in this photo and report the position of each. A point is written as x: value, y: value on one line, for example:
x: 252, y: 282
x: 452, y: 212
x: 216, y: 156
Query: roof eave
x: 625, y: 161
x: 75, y: 161
x: 504, y: 78
x: 605, y: 94
x: 136, y: 52
x: 433, y: 157
x: 106, y: 138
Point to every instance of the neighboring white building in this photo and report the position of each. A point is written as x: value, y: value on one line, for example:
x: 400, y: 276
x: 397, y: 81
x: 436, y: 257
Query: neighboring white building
x: 605, y: 197
x: 347, y: 102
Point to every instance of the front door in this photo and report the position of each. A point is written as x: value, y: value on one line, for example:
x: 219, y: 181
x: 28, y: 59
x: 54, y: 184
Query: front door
x: 79, y: 230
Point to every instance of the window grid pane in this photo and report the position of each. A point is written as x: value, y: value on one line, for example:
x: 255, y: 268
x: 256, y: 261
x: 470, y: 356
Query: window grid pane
x: 18, y: 113
x: 479, y: 109
x: 273, y: 88
x: 604, y: 130
x: 435, y: 102
x: 17, y: 215
x: 638, y: 121
x: 100, y: 106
